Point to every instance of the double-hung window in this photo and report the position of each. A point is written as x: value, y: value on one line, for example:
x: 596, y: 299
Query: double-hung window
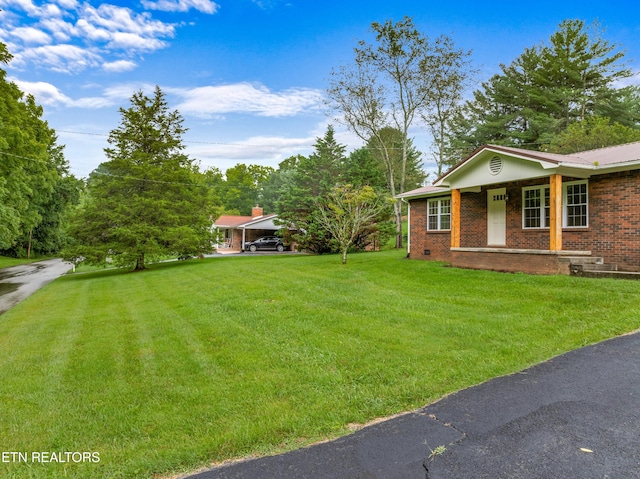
x: 536, y: 210
x: 439, y: 214
x: 535, y: 207
x: 576, y: 203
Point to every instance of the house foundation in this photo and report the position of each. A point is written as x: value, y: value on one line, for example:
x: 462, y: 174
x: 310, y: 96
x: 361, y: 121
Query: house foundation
x: 516, y: 260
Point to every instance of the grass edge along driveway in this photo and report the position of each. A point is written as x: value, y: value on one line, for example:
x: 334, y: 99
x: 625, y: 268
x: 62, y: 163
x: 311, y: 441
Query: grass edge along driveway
x: 193, y: 363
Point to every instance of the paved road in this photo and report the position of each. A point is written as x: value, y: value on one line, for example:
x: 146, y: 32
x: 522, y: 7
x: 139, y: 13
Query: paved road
x: 19, y: 282
x: 576, y: 416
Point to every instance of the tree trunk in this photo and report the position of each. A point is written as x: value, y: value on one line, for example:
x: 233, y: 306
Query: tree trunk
x: 344, y: 256
x: 140, y: 263
x: 397, y: 211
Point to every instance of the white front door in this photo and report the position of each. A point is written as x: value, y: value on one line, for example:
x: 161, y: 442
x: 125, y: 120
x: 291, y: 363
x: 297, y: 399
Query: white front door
x: 497, y: 217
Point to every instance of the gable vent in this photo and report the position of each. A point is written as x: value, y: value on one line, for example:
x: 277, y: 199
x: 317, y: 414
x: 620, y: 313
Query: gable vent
x: 495, y: 165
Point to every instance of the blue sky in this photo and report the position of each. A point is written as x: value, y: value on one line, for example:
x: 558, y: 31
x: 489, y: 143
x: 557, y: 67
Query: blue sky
x: 248, y: 76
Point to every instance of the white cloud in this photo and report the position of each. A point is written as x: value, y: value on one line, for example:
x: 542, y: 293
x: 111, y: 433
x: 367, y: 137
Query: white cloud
x: 246, y: 98
x: 60, y: 29
x: 50, y: 10
x: 49, y: 95
x: 115, y: 96
x: 60, y: 58
x: 133, y: 41
x: 44, y: 93
x: 257, y: 147
x: 204, y: 102
x: 47, y: 10
x: 25, y: 5
x: 119, y: 19
x: 67, y: 4
x: 119, y: 66
x: 204, y: 6
x: 31, y: 35
x: 261, y: 150
x: 79, y: 36
x: 121, y: 28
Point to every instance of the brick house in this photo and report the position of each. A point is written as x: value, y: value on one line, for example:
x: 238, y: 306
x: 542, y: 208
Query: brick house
x: 509, y: 209
x: 235, y: 231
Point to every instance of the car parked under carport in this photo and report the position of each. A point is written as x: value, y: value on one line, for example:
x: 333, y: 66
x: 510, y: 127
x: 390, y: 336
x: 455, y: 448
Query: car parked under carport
x: 265, y: 243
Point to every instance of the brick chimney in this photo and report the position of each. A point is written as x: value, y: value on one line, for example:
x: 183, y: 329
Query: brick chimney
x: 256, y: 211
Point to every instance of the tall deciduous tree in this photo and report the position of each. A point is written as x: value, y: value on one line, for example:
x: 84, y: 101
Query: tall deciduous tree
x: 399, y: 161
x: 243, y: 187
x: 278, y: 182
x: 35, y: 185
x: 389, y: 84
x: 451, y: 72
x: 147, y: 200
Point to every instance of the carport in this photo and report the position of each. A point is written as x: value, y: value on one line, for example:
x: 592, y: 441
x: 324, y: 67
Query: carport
x: 264, y: 226
x: 235, y: 231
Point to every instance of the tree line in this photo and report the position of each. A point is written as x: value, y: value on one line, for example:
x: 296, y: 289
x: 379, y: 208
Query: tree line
x: 36, y: 188
x: 149, y: 199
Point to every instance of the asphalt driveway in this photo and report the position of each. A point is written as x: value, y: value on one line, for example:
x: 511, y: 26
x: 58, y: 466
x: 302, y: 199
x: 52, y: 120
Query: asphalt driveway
x: 19, y: 282
x: 575, y: 416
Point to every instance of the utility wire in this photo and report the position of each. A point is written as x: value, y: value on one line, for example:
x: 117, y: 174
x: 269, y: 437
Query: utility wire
x: 191, y: 141
x: 219, y: 143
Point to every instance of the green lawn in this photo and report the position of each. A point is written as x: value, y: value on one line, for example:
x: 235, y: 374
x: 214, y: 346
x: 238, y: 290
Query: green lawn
x: 6, y: 262
x: 195, y: 362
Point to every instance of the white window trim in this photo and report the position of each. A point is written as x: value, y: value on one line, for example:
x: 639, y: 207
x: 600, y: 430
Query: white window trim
x: 565, y: 204
x: 439, y: 214
x: 542, y: 189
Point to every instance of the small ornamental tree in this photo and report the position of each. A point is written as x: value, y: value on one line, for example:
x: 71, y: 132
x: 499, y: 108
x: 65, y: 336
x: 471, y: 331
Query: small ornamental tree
x: 147, y: 200
x: 347, y: 211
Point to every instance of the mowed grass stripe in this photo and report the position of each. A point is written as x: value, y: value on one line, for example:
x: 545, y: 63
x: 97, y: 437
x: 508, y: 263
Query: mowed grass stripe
x: 191, y: 363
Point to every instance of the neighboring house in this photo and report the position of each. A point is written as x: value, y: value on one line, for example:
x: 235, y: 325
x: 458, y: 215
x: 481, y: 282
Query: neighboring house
x: 510, y: 209
x: 235, y: 231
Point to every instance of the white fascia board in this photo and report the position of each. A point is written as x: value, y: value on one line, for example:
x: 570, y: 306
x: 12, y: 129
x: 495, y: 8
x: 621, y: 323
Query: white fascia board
x: 262, y: 224
x: 425, y: 194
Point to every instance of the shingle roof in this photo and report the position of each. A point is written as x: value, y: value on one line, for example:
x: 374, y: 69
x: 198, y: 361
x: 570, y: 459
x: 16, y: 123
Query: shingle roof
x: 230, y: 221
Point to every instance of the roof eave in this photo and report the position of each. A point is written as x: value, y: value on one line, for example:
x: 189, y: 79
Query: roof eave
x: 428, y: 194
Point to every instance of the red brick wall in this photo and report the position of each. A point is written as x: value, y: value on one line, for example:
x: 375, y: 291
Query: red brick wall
x: 614, y: 220
x: 438, y: 243
x: 473, y: 220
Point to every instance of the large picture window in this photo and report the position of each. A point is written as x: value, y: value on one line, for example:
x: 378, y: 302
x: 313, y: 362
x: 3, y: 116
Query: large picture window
x: 439, y: 214
x: 536, y: 210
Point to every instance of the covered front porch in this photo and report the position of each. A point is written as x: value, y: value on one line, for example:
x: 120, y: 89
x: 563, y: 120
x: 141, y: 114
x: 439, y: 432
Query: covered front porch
x: 506, y: 248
